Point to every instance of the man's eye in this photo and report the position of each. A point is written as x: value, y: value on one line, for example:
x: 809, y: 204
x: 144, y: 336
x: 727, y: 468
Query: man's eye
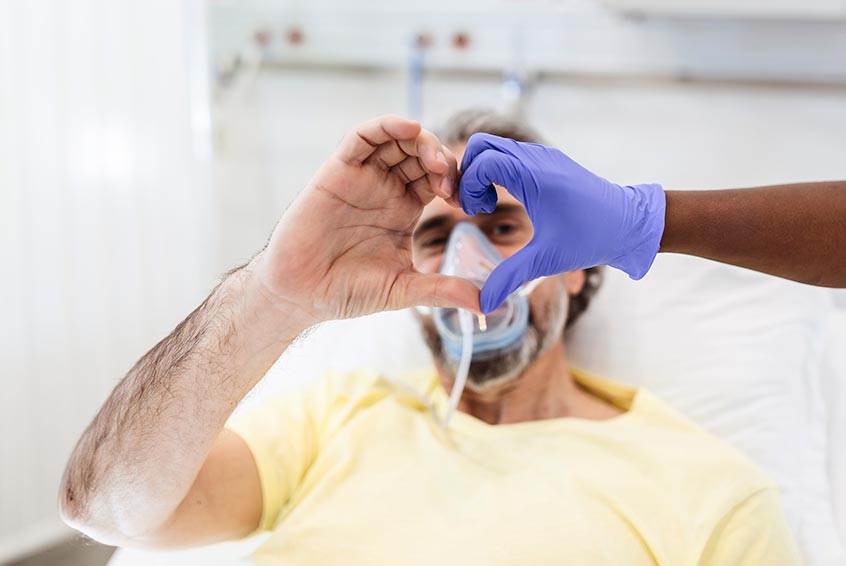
x: 434, y: 242
x: 503, y: 229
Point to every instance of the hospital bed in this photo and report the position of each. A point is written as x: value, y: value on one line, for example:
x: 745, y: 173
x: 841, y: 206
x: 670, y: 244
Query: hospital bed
x: 758, y: 361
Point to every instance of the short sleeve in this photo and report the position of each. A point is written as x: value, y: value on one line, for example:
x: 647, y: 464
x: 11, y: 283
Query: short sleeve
x: 286, y: 432
x: 282, y: 432
x: 753, y: 533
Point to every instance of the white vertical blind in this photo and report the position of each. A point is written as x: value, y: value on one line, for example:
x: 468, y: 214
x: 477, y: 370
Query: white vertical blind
x: 105, y: 208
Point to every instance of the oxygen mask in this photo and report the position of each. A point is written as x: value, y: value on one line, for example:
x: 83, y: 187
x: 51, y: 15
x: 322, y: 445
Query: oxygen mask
x: 470, y: 255
x: 465, y: 336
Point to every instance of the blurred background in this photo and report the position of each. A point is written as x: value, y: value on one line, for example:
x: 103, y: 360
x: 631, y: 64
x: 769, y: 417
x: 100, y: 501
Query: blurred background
x: 148, y: 147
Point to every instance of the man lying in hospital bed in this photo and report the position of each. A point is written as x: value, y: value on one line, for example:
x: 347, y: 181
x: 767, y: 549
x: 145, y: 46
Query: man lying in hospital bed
x: 540, y: 465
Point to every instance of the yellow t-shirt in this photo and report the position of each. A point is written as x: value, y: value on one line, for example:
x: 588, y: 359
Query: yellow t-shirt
x: 356, y: 470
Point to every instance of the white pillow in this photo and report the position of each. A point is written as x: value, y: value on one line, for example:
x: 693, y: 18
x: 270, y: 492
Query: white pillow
x: 388, y: 342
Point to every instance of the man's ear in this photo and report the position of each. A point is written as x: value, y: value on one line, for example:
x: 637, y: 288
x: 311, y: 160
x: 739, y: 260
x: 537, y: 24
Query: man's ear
x: 575, y: 280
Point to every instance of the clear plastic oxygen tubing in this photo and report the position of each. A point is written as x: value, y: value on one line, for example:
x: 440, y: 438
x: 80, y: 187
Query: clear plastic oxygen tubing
x: 465, y: 321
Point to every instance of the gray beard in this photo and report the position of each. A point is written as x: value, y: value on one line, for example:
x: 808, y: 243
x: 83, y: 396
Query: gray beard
x: 540, y: 334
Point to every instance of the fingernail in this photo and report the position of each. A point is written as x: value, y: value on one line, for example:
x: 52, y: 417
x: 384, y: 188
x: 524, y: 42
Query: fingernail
x: 446, y: 187
x: 442, y: 158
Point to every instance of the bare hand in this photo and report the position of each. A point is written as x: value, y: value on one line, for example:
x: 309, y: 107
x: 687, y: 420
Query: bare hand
x: 343, y: 249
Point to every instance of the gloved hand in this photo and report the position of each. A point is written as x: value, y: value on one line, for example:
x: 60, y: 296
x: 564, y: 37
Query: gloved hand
x: 580, y: 220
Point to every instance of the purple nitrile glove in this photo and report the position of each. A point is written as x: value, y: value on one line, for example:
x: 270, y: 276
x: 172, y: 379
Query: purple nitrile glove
x: 580, y: 219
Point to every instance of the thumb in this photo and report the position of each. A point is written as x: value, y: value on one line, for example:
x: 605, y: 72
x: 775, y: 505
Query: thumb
x: 507, y: 277
x: 434, y: 290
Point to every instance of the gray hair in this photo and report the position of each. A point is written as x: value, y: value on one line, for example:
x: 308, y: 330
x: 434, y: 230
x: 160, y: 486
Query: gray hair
x: 464, y: 124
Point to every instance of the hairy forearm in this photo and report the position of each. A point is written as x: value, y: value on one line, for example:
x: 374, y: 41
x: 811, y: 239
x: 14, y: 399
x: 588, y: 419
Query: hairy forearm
x: 136, y: 461
x: 792, y: 231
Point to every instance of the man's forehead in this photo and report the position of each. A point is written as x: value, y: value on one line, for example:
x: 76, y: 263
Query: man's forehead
x: 438, y: 207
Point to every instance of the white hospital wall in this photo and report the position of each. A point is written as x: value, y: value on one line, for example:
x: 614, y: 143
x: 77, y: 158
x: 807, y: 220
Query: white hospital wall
x: 104, y: 221
x: 685, y: 135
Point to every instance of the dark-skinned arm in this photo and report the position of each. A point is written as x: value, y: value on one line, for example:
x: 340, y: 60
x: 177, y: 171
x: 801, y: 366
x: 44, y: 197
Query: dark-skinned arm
x: 793, y: 231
